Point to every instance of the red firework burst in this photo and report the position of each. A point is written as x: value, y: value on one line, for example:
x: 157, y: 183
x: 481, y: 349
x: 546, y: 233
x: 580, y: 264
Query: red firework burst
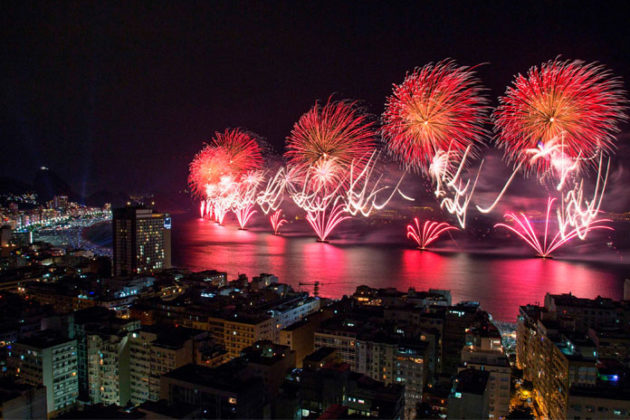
x: 437, y: 107
x: 329, y: 138
x: 569, y: 105
x: 206, y: 168
x: 233, y: 152
x: 242, y: 150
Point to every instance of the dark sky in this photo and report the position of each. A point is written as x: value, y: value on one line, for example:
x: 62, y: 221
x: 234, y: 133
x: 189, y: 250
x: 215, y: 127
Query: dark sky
x: 121, y: 95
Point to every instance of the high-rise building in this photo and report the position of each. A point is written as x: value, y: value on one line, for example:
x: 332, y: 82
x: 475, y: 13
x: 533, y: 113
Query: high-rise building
x: 5, y: 236
x: 48, y: 359
x: 21, y: 401
x: 555, y: 360
x: 483, y: 351
x: 469, y: 398
x: 271, y: 362
x: 85, y: 322
x: 108, y: 370
x: 153, y: 352
x: 141, y: 240
x: 574, y: 351
x: 300, y: 336
x: 60, y: 201
x: 333, y: 385
x: 226, y: 391
x: 587, y: 313
x: 241, y: 331
x: 388, y: 357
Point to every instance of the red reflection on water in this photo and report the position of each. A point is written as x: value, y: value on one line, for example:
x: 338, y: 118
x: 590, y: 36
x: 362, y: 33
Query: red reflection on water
x: 276, y: 250
x: 526, y: 281
x: 422, y: 269
x: 501, y: 284
x: 325, y: 263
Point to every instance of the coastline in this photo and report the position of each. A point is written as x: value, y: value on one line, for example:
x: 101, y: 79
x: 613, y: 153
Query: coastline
x: 99, y: 230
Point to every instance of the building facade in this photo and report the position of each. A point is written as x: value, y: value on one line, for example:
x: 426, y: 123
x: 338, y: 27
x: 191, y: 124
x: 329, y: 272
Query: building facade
x: 151, y: 355
x: 141, y: 241
x: 49, y: 360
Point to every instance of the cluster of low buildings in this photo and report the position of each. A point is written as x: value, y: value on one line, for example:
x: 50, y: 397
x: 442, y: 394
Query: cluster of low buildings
x: 179, y: 344
x: 202, y: 345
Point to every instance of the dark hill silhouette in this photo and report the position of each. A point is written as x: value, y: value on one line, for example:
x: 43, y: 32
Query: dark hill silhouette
x: 47, y: 184
x: 117, y: 199
x: 13, y: 186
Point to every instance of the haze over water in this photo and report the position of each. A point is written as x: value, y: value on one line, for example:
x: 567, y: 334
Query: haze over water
x: 501, y: 283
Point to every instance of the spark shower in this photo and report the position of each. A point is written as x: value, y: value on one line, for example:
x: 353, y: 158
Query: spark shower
x: 556, y: 125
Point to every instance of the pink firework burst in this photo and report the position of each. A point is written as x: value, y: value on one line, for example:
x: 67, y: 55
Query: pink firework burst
x: 243, y: 215
x: 326, y: 220
x: 437, y: 107
x: 544, y: 245
x: 566, y: 111
x: 277, y: 221
x: 428, y: 233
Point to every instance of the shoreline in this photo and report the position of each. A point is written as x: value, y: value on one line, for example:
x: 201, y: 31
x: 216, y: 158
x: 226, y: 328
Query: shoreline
x: 86, y: 238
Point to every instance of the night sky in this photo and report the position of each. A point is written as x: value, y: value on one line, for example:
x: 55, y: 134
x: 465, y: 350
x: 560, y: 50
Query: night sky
x: 120, y: 96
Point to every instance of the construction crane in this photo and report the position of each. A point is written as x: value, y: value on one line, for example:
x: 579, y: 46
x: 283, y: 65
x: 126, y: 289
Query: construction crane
x: 315, y: 287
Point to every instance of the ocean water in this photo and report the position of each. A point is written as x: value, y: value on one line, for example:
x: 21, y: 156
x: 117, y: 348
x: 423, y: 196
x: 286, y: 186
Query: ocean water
x: 501, y: 278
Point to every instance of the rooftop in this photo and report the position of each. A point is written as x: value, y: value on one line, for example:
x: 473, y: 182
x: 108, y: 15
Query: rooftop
x: 265, y: 353
x: 319, y: 354
x: 567, y: 299
x: 44, y: 340
x: 472, y: 381
x: 225, y: 377
x: 171, y: 337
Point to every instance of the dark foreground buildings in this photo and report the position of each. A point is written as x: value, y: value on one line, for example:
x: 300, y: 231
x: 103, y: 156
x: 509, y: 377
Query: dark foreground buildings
x: 175, y: 344
x: 576, y: 353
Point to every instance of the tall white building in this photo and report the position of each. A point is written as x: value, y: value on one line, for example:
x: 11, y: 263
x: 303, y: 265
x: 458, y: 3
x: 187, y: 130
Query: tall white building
x: 383, y: 356
x: 108, y: 368
x: 484, y: 351
x: 50, y: 360
x: 154, y: 353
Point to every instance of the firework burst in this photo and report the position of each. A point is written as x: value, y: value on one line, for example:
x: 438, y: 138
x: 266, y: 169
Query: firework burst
x: 271, y: 197
x: 244, y: 198
x: 241, y: 149
x: 563, y: 112
x: 544, y: 245
x: 277, y: 221
x: 231, y: 153
x: 324, y: 221
x: 358, y: 192
x: 428, y: 233
x: 437, y: 107
x: 328, y: 139
x: 206, y: 168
